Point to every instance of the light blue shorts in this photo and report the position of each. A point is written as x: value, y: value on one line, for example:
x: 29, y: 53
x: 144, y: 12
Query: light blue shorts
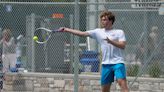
x: 111, y: 71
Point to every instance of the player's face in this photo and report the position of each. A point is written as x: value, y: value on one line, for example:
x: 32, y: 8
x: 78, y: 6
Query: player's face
x: 105, y: 22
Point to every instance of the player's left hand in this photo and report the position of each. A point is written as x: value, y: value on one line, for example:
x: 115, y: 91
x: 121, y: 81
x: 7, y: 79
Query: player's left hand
x: 107, y: 39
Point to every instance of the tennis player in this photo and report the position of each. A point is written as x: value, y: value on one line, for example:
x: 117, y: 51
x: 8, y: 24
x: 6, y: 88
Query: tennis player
x: 112, y: 43
x: 8, y: 53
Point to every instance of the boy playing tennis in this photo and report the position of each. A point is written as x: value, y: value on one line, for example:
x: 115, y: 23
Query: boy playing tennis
x: 112, y: 43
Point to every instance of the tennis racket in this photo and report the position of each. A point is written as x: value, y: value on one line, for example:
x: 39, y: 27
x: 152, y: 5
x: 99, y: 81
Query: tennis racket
x: 42, y: 35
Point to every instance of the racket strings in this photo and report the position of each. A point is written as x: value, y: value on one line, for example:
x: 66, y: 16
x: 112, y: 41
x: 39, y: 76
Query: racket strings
x: 43, y: 35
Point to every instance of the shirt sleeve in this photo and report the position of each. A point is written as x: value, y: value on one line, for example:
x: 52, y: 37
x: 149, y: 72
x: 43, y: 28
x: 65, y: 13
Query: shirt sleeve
x: 92, y: 33
x: 122, y: 36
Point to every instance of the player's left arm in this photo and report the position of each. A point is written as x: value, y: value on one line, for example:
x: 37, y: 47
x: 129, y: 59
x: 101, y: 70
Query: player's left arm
x: 119, y: 44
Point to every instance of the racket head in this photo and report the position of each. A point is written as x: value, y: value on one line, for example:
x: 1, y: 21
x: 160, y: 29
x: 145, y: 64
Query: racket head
x: 42, y: 34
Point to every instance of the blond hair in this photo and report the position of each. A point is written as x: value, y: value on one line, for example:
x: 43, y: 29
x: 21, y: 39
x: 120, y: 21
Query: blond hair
x: 7, y: 32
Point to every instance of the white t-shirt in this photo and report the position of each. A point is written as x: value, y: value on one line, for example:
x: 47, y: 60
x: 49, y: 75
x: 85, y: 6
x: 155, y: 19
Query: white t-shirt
x: 110, y: 53
x: 9, y: 47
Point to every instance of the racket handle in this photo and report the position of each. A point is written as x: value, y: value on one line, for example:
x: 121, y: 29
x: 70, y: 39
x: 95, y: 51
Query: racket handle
x: 58, y: 30
x: 54, y: 31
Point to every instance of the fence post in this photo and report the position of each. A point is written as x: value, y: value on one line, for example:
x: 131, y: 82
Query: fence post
x: 76, y: 49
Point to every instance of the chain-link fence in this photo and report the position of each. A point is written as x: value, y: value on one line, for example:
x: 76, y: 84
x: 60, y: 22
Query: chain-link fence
x: 64, y: 52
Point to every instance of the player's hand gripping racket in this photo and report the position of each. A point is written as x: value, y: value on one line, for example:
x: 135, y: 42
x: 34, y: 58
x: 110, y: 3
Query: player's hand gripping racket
x: 42, y: 35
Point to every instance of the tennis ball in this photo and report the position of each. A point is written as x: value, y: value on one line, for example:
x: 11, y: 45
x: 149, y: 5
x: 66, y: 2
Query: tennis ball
x: 35, y: 38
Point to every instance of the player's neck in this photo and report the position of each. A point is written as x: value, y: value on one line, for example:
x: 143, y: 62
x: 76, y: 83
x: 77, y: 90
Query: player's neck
x: 109, y: 28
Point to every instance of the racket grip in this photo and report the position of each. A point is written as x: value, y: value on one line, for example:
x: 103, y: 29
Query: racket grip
x: 58, y: 30
x: 54, y: 31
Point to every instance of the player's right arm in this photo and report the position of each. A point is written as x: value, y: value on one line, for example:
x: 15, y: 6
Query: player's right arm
x: 76, y: 32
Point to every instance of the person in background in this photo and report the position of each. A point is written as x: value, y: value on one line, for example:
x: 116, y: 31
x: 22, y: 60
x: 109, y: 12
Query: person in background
x: 153, y: 39
x: 112, y: 43
x: 8, y: 51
